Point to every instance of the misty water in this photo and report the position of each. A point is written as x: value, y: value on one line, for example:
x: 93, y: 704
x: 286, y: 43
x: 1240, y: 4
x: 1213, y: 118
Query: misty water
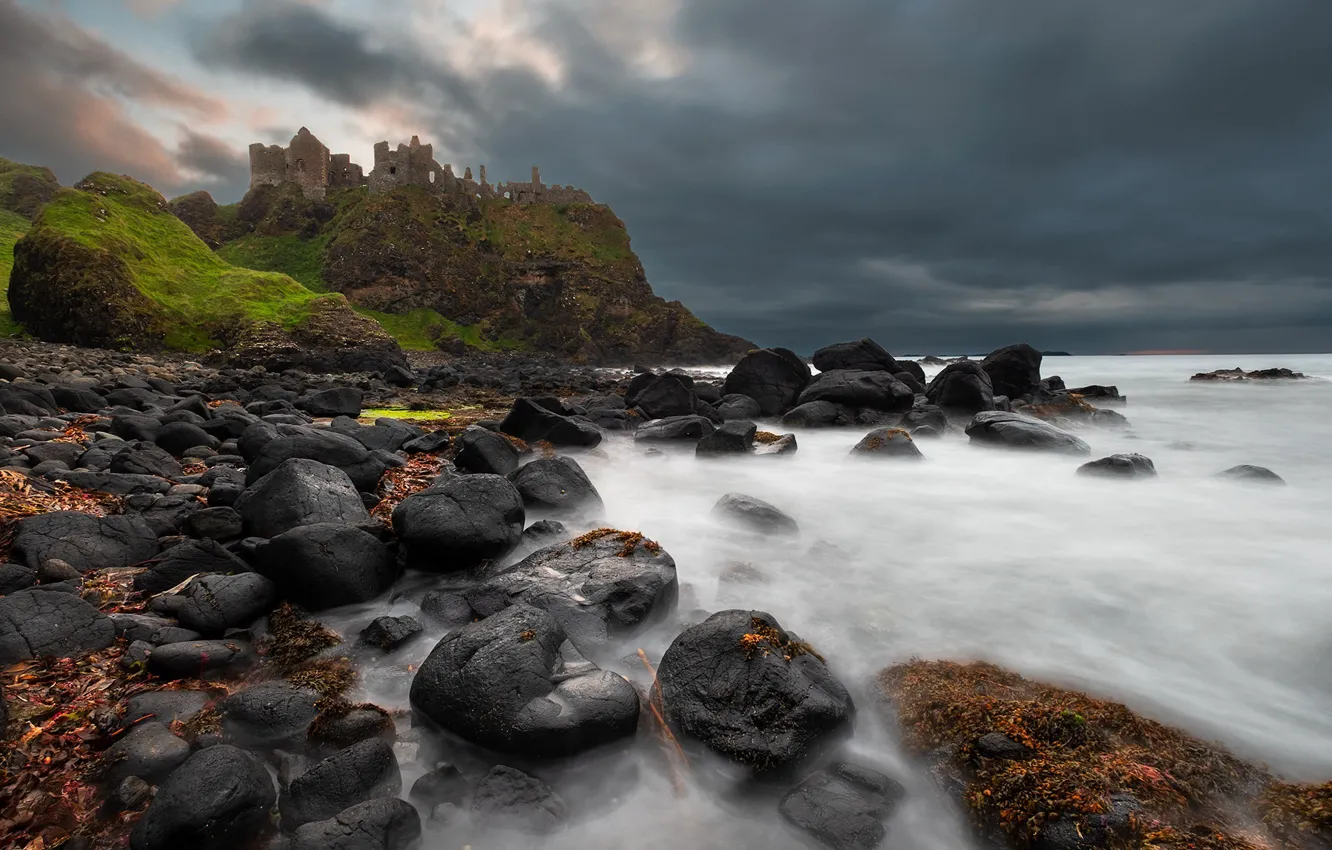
x: 1197, y: 601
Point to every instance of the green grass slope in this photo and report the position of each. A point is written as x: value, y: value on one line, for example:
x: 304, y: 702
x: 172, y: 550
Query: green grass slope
x: 12, y: 227
x: 105, y: 263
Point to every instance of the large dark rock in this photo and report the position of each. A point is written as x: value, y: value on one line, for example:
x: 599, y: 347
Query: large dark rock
x: 506, y: 798
x: 819, y: 414
x: 1014, y: 430
x: 459, y: 522
x: 1014, y: 370
x: 163, y: 706
x: 325, y: 565
x: 86, y: 542
x: 736, y: 406
x: 362, y: 466
x: 531, y: 423
x: 557, y: 486
x: 754, y: 514
x: 145, y: 459
x: 962, y: 388
x: 1120, y: 466
x: 772, y: 377
x: 38, y: 623
x: 361, y: 772
x: 179, y: 437
x: 300, y: 492
x: 1253, y: 474
x: 888, y: 443
x: 506, y: 683
x: 148, y: 751
x: 843, y: 807
x: 732, y: 438
x: 387, y: 435
x: 674, y: 428
x: 864, y: 355
x: 874, y: 390
x: 665, y: 395
x: 14, y: 577
x: 485, y: 452
x: 597, y: 586
x: 337, y: 401
x: 388, y: 633
x: 184, y: 560
x: 385, y: 823
x: 214, y: 603
x: 751, y: 691
x: 269, y: 715
x: 217, y: 800
x: 201, y: 658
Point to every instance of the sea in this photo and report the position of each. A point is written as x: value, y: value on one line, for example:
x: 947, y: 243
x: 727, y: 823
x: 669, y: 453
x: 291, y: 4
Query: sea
x: 1195, y: 600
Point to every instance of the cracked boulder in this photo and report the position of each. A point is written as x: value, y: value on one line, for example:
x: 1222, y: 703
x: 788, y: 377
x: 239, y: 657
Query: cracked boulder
x: 38, y: 623
x: 358, y: 773
x: 85, y: 542
x: 386, y: 823
x: 300, y: 492
x: 214, y: 603
x: 600, y: 586
x: 363, y: 467
x: 513, y: 683
x: 752, y: 692
x: 326, y: 565
x: 193, y: 557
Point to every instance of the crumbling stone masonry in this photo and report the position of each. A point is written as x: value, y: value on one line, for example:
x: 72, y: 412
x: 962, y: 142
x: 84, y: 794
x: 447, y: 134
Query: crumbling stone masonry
x: 308, y: 163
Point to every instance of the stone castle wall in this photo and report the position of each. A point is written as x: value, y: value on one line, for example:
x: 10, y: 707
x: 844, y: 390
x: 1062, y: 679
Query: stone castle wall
x: 308, y: 163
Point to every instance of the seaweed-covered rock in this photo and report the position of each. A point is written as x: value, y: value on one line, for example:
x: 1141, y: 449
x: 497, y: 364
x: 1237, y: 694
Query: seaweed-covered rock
x: 557, y: 486
x: 888, y: 443
x: 603, y: 584
x: 87, y: 542
x: 385, y: 823
x: 325, y: 565
x: 300, y: 492
x: 1120, y: 466
x: 772, y: 377
x: 843, y: 807
x: 506, y: 798
x: 459, y: 523
x: 508, y: 683
x: 39, y: 623
x: 217, y: 800
x: 358, y: 773
x: 1155, y: 785
x: 750, y: 691
x: 1017, y: 431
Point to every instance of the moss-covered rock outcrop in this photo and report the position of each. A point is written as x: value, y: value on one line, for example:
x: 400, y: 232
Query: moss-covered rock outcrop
x: 25, y: 188
x: 443, y: 270
x: 106, y: 264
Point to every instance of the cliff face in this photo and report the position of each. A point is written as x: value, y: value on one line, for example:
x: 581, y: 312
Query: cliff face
x: 105, y: 264
x: 439, y: 271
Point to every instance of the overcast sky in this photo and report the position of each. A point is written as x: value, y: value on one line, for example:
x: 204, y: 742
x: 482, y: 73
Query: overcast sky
x: 941, y: 175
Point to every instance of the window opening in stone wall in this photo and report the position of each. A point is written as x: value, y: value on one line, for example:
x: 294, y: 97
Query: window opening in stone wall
x: 432, y: 177
x: 393, y: 169
x: 300, y: 165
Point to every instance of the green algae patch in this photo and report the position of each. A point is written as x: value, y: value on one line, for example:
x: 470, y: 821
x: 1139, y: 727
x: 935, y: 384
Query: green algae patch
x: 405, y: 414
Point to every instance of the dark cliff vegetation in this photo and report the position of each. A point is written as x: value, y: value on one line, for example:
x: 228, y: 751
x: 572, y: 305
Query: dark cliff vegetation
x: 447, y: 271
x: 23, y: 191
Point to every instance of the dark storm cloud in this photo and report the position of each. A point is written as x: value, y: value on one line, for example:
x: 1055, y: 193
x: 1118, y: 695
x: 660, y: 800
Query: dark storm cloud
x: 219, y: 160
x: 63, y: 105
x: 941, y: 174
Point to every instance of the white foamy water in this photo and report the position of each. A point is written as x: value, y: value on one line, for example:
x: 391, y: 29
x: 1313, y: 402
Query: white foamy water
x: 1196, y: 601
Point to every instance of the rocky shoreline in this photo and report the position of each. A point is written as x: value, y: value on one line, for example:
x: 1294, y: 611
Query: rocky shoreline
x: 172, y: 532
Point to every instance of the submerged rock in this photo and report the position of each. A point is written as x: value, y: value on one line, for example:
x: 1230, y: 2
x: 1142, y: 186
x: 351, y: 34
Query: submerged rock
x: 751, y: 691
x: 1014, y: 430
x: 754, y: 514
x: 385, y: 823
x: 888, y: 443
x: 1252, y: 474
x: 1120, y: 466
x: 360, y: 772
x: 506, y: 798
x: 843, y: 807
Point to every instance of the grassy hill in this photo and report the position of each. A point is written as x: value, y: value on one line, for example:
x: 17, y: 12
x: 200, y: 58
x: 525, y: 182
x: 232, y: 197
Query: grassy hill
x: 106, y: 264
x: 12, y: 227
x: 23, y: 191
x: 439, y: 270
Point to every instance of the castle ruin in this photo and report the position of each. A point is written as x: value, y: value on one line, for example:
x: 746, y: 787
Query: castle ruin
x: 308, y: 163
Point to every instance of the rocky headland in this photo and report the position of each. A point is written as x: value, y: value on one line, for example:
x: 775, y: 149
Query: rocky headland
x: 173, y: 533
